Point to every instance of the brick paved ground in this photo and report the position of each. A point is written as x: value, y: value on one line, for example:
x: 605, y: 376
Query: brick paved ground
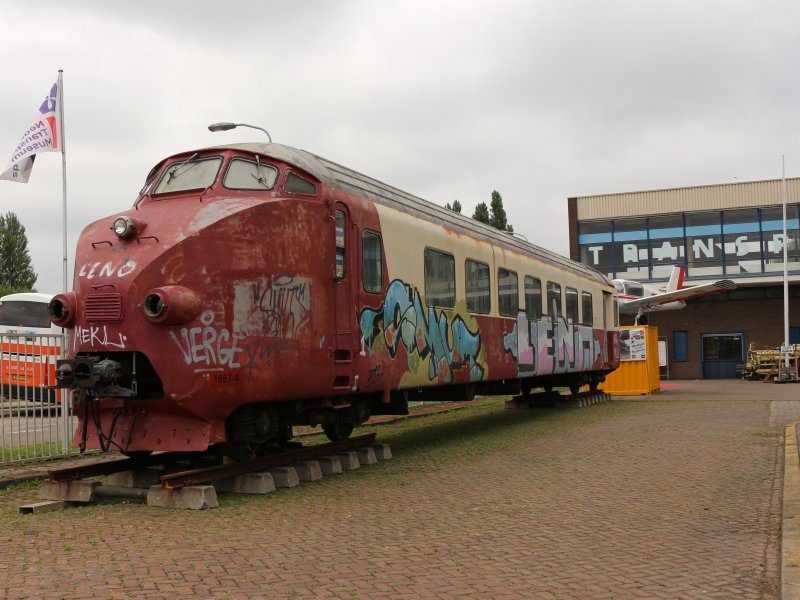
x: 672, y: 497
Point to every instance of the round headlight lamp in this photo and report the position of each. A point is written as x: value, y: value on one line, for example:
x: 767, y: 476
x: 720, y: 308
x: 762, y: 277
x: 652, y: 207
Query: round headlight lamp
x: 123, y: 227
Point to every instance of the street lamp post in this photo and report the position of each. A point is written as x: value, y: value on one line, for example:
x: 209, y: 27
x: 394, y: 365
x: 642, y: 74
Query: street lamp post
x: 226, y: 126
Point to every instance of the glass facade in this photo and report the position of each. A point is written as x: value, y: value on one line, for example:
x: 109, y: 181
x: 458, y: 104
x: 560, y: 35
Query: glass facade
x: 709, y: 244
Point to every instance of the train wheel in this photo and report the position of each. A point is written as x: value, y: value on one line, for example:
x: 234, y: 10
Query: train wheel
x: 338, y: 430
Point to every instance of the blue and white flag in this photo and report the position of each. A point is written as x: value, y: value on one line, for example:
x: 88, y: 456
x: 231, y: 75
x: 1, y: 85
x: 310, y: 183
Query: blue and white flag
x: 41, y: 136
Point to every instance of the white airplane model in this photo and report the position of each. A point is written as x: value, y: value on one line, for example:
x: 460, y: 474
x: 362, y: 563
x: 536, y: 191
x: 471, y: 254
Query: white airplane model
x: 638, y: 298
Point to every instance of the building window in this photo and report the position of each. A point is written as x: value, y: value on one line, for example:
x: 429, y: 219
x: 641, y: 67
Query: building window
x: 587, y: 310
x: 478, y: 292
x: 533, y: 297
x: 742, y: 239
x: 704, y: 244
x: 666, y: 244
x: 554, y: 299
x: 371, y: 262
x: 572, y: 304
x: 772, y: 237
x: 631, y: 252
x: 440, y: 278
x: 508, y: 293
x: 594, y: 239
x: 680, y: 345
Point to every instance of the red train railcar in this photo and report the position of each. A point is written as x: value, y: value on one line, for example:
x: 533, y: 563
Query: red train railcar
x: 254, y: 287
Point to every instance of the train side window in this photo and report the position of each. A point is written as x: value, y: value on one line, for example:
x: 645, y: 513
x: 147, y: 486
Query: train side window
x: 340, y: 233
x: 572, y: 304
x: 533, y: 297
x: 616, y: 313
x: 588, y: 310
x: 508, y: 293
x: 295, y: 184
x: 479, y: 297
x: 371, y: 262
x: 440, y: 279
x: 554, y: 299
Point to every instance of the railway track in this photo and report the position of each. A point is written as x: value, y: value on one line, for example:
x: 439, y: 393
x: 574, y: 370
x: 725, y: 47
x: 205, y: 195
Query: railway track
x: 186, y: 480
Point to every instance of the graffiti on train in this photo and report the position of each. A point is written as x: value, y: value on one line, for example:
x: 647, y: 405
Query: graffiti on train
x: 546, y: 346
x: 451, y: 345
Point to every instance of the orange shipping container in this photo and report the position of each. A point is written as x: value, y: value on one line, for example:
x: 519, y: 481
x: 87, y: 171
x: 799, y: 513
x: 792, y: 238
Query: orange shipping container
x: 638, y: 371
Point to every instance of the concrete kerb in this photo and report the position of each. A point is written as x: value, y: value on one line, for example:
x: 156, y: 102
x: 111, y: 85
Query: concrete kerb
x: 790, y: 527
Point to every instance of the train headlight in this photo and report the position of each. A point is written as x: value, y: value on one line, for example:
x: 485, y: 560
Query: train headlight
x: 171, y: 305
x: 61, y: 309
x: 124, y: 227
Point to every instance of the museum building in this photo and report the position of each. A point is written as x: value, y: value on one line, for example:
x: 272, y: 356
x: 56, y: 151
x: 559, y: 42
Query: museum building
x: 730, y: 231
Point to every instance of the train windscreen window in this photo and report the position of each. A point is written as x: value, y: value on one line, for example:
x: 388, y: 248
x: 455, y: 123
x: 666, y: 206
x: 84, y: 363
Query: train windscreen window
x: 478, y: 293
x: 371, y: 270
x: 587, y: 309
x: 533, y: 297
x: 297, y: 185
x: 249, y: 175
x: 340, y: 233
x: 554, y: 299
x: 508, y: 293
x: 572, y: 304
x: 189, y: 174
x: 440, y: 278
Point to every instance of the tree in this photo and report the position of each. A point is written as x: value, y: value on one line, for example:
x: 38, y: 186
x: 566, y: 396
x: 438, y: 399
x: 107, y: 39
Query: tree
x: 16, y: 270
x: 498, y: 218
x: 494, y: 216
x: 455, y: 207
x: 482, y: 214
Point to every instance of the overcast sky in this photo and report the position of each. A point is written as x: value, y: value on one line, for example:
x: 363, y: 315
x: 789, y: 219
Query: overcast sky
x: 446, y: 100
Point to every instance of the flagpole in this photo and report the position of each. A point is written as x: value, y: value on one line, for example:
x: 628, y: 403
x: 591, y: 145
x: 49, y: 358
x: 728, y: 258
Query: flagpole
x: 63, y: 175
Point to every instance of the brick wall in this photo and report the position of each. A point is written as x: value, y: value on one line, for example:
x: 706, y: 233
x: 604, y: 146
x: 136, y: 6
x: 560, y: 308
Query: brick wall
x: 761, y: 322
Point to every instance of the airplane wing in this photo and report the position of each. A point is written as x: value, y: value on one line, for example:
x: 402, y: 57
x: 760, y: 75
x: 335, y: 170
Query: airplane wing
x: 722, y: 285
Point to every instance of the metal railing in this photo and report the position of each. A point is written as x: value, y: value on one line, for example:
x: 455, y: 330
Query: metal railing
x: 36, y: 422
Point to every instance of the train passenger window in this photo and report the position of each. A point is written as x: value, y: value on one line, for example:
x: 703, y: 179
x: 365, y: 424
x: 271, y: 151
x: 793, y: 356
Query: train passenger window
x: 508, y: 293
x: 249, y: 175
x: 371, y: 263
x: 572, y: 304
x: 295, y: 184
x: 189, y: 174
x: 587, y: 310
x: 616, y: 313
x: 479, y: 298
x: 440, y: 279
x: 554, y: 299
x: 533, y: 297
x: 340, y: 233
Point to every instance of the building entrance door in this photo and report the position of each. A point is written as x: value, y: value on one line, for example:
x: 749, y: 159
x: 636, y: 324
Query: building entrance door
x: 721, y: 353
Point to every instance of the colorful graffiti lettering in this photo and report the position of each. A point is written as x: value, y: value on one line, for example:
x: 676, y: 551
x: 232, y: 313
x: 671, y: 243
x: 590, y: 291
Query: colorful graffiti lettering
x: 447, y: 341
x: 208, y: 348
x: 549, y: 346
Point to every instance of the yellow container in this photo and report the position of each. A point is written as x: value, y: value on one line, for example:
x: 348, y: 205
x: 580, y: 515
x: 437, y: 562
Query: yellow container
x: 638, y: 371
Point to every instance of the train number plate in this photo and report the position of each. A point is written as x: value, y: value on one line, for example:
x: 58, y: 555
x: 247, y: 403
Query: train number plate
x: 223, y: 379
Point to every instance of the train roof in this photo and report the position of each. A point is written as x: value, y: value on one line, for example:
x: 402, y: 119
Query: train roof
x: 338, y: 176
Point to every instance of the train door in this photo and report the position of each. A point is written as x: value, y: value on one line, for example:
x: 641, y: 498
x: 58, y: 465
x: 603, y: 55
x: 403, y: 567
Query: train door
x: 608, y: 306
x: 343, y: 313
